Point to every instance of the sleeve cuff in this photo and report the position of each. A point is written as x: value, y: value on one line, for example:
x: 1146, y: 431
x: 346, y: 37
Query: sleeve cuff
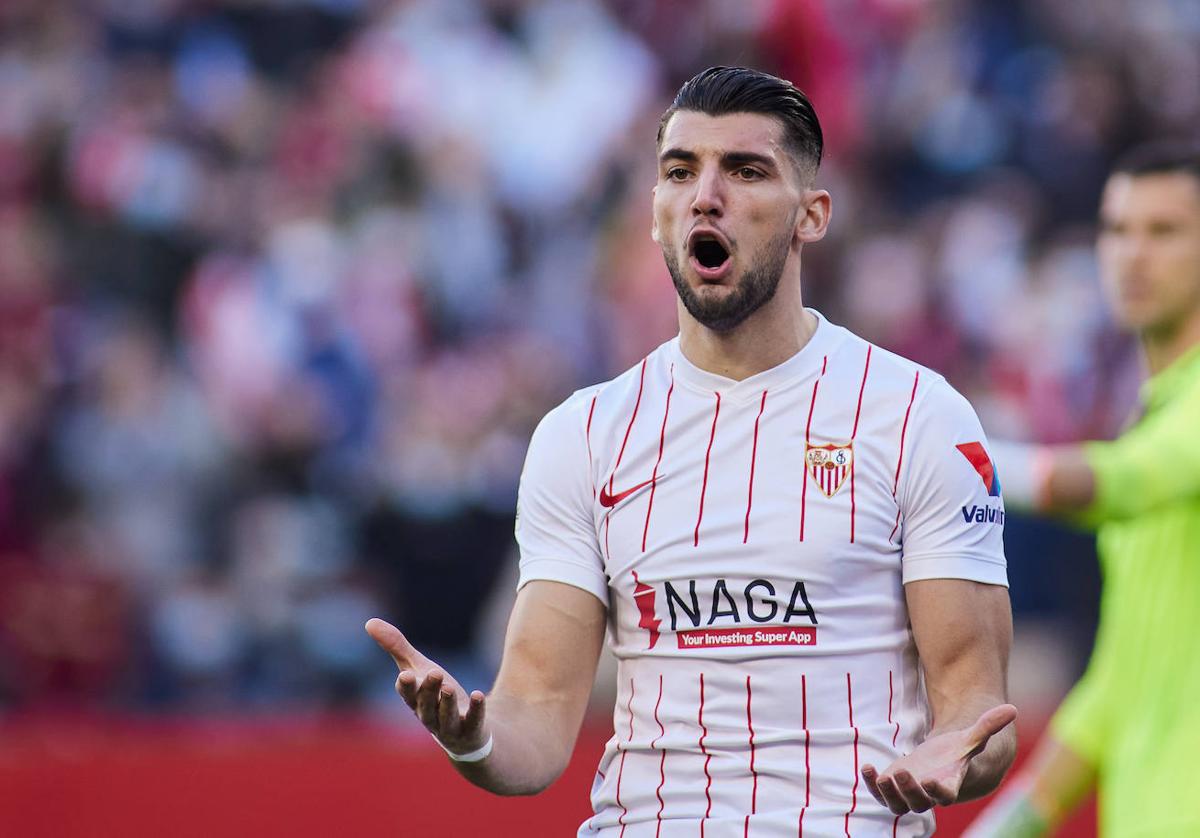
x: 556, y: 570
x: 975, y: 568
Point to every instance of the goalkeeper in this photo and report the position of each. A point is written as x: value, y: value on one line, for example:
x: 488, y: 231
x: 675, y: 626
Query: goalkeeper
x: 1131, y: 727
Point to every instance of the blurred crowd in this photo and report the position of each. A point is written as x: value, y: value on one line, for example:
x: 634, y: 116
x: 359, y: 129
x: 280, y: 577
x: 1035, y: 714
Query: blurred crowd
x: 286, y: 284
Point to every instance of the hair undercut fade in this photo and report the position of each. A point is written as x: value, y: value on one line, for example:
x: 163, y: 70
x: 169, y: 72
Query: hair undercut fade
x: 1164, y: 157
x: 718, y: 91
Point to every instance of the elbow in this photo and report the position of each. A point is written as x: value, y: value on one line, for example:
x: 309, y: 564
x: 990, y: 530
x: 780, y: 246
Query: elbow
x: 553, y: 771
x: 529, y: 789
x: 522, y: 791
x: 535, y: 778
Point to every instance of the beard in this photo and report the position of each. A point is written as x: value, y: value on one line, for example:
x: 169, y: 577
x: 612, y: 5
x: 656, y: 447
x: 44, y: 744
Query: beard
x: 755, y: 289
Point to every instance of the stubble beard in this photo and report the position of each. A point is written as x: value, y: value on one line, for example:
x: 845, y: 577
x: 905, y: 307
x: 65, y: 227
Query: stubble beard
x: 755, y: 289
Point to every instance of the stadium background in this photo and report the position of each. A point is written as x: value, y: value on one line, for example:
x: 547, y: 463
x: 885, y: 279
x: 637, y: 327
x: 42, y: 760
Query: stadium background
x: 285, y: 286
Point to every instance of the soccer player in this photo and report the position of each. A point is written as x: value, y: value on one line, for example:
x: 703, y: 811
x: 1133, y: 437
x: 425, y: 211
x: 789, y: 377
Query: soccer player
x: 793, y: 538
x: 1131, y: 726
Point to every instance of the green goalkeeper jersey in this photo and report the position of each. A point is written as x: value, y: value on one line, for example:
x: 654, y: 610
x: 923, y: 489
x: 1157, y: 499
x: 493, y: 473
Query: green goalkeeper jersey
x: 1136, y: 711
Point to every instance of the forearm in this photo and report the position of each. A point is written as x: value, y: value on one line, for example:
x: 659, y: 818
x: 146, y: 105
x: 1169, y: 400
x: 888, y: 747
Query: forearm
x: 1053, y: 479
x: 531, y: 747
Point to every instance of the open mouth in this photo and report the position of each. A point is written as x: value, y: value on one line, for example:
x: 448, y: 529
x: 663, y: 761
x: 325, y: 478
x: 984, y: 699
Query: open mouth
x: 709, y: 253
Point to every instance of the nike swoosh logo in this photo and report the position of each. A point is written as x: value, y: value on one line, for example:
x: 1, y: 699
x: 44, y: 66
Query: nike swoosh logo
x: 608, y: 501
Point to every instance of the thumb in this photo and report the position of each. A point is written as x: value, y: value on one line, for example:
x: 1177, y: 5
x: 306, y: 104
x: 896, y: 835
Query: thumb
x: 989, y: 724
x: 392, y: 641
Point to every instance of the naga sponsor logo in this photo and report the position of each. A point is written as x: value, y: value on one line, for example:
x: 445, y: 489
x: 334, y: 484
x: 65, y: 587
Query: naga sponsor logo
x: 983, y: 514
x: 714, y: 637
x: 643, y: 595
x: 717, y: 616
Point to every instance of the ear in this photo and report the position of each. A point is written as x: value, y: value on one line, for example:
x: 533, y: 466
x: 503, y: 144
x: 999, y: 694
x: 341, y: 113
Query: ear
x: 813, y: 219
x: 654, y: 217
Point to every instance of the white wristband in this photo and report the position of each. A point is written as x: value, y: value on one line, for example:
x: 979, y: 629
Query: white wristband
x: 1022, y: 473
x: 473, y: 756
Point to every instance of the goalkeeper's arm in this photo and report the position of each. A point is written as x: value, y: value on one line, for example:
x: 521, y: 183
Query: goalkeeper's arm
x: 1054, y: 479
x: 1040, y: 797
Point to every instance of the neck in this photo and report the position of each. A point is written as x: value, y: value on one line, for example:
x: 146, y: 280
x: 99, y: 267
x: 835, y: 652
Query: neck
x: 765, y: 339
x: 1165, y: 346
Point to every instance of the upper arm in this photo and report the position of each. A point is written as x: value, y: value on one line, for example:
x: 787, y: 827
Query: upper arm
x: 556, y: 629
x: 953, y: 552
x: 963, y: 632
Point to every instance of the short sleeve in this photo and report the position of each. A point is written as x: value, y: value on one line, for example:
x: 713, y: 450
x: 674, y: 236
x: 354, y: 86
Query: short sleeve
x: 555, y: 532
x: 951, y: 511
x: 1156, y: 462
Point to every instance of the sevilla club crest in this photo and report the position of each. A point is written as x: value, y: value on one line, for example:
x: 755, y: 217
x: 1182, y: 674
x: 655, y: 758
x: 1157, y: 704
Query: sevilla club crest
x: 830, y: 465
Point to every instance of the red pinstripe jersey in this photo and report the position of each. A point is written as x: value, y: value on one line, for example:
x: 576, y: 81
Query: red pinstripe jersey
x: 751, y: 540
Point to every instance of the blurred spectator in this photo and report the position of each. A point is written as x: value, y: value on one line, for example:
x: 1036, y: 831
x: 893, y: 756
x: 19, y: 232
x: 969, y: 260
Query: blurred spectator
x: 285, y: 287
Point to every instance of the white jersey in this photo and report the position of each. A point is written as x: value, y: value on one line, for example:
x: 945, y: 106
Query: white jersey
x: 751, y: 540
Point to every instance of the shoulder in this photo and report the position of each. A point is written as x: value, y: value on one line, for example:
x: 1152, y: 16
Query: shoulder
x: 929, y: 389
x: 933, y: 411
x: 611, y: 403
x: 940, y: 411
x: 1184, y: 395
x: 847, y: 347
x: 890, y: 373
x: 598, y: 405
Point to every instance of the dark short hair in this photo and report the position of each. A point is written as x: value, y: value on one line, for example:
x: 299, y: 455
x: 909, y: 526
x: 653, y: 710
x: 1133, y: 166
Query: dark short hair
x: 718, y: 91
x: 1160, y: 158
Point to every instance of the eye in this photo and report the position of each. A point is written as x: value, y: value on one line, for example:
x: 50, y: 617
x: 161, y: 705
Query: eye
x: 749, y: 173
x: 677, y: 173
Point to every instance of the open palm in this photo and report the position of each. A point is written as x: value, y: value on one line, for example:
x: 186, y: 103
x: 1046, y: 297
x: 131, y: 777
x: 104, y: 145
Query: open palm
x: 443, y: 706
x: 932, y: 775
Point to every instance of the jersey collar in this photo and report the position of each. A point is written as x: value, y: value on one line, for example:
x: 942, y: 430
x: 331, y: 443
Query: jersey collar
x: 1164, y: 386
x: 803, y: 366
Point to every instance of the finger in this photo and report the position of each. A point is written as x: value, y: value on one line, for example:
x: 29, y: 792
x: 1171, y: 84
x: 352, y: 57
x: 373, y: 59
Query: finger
x: 427, y: 701
x: 449, y: 720
x: 392, y: 641
x: 871, y: 778
x: 989, y: 724
x: 472, y: 722
x: 940, y: 794
x: 910, y: 790
x: 406, y: 685
x: 892, y: 798
x: 994, y: 720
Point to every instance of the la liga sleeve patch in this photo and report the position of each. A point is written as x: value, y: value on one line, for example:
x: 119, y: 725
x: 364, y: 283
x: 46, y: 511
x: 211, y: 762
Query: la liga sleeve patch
x: 978, y: 457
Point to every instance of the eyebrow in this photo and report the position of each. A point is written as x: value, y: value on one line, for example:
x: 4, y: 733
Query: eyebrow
x: 729, y: 158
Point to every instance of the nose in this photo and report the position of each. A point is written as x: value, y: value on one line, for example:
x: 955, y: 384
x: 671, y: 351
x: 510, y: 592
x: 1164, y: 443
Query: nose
x: 709, y: 198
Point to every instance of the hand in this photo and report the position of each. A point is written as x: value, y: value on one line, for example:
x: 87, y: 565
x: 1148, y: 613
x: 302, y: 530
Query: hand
x: 453, y: 717
x: 933, y: 773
